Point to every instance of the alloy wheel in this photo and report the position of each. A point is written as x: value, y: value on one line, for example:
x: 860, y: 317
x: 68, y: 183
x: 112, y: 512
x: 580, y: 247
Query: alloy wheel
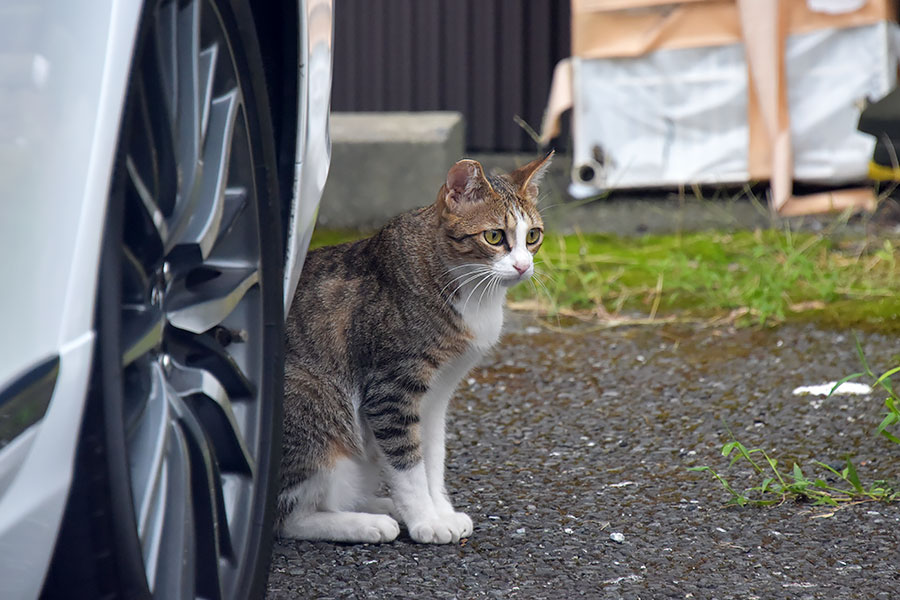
x: 192, y: 330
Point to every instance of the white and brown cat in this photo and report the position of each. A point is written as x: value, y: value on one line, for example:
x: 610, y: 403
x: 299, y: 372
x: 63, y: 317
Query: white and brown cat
x: 382, y: 332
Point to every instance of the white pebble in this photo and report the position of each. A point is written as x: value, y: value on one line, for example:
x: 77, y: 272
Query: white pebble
x: 617, y: 537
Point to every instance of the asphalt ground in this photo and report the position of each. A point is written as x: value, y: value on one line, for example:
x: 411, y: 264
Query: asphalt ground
x: 561, y: 439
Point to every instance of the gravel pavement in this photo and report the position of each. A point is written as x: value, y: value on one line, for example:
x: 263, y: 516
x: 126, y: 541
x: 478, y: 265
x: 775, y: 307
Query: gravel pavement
x: 569, y: 450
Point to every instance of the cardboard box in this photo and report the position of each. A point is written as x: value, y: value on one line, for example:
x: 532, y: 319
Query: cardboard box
x: 723, y: 91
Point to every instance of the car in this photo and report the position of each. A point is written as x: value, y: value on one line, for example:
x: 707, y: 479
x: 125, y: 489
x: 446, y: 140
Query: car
x: 161, y: 164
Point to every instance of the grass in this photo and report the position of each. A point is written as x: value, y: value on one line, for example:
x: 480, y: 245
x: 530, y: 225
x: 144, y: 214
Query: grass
x: 844, y: 485
x: 755, y: 277
x: 749, y: 277
x: 777, y: 486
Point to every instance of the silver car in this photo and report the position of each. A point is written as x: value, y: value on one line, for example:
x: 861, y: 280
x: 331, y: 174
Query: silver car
x: 161, y: 164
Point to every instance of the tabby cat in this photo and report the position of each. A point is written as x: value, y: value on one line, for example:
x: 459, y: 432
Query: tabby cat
x: 382, y: 332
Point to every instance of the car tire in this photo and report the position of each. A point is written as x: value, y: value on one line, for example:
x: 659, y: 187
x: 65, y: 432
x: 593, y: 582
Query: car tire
x: 176, y: 472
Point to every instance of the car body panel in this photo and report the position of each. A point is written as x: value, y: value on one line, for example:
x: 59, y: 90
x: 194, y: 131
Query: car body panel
x: 314, y: 141
x: 32, y: 506
x: 64, y: 70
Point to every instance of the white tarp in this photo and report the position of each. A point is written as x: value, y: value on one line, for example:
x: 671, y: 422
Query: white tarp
x: 679, y: 116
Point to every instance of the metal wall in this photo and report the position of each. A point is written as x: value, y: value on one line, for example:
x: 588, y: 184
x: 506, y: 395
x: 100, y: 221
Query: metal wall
x: 489, y: 59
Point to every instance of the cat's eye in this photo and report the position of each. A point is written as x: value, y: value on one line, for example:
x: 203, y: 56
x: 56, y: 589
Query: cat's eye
x: 493, y: 236
x: 533, y: 235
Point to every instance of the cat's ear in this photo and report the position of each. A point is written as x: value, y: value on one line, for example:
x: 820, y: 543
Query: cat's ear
x: 527, y: 178
x: 466, y: 184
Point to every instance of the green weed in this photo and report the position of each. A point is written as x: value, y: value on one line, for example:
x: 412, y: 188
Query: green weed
x: 883, y: 381
x: 777, y: 486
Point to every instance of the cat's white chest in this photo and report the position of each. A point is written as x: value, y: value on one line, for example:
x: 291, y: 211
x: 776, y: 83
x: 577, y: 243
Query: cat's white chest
x: 484, y: 320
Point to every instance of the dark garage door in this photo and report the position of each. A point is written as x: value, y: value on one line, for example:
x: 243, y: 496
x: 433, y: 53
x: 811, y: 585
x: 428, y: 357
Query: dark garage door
x: 489, y: 59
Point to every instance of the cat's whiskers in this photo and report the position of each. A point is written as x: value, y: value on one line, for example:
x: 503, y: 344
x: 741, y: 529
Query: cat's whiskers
x: 543, y: 285
x: 479, y: 269
x: 476, y: 268
x: 496, y: 285
x: 462, y: 266
x: 486, y: 277
x: 490, y: 286
x: 481, y: 273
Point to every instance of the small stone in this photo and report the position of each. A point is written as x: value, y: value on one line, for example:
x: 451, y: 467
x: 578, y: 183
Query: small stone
x: 617, y: 537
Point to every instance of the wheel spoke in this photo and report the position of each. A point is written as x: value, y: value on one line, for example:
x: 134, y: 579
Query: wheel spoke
x: 208, y: 60
x: 152, y: 212
x: 166, y: 50
x: 148, y: 443
x: 188, y: 49
x: 156, y: 91
x: 176, y: 567
x: 199, y: 308
x: 142, y: 331
x: 203, y: 228
x: 235, y: 202
x: 135, y: 280
x: 210, y: 401
x: 185, y: 42
x: 209, y: 521
x: 205, y: 352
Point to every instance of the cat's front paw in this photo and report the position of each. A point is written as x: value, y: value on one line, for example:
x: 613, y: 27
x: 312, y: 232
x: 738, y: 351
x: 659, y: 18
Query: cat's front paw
x: 441, y: 530
x: 461, y: 522
x: 379, y: 529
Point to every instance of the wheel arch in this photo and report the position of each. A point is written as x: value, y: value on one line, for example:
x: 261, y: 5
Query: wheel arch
x: 278, y: 29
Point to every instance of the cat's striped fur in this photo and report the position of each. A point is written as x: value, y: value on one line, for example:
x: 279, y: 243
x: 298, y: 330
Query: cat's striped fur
x: 381, y: 332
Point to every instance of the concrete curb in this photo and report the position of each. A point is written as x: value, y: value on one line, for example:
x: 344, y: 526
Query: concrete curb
x: 383, y: 164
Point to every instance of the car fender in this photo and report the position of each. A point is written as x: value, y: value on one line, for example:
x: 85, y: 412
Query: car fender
x: 313, y: 155
x: 65, y: 68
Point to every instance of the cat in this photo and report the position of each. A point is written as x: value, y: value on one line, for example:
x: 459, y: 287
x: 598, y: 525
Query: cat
x: 381, y: 333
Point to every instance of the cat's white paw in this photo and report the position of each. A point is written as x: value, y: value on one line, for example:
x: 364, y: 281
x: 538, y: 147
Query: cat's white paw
x: 442, y: 530
x: 351, y: 527
x: 461, y: 522
x: 378, y: 529
x: 434, y: 531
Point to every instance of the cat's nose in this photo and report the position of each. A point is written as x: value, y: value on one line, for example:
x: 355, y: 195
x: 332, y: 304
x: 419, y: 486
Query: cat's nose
x: 521, y: 267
